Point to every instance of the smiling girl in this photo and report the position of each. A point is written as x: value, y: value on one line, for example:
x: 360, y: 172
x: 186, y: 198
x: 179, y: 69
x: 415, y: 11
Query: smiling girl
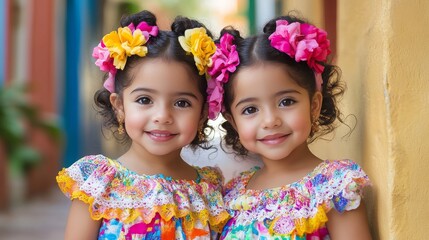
x: 155, y: 97
x: 278, y: 93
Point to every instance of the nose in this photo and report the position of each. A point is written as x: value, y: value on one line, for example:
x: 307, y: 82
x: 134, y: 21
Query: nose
x: 271, y: 120
x: 163, y: 115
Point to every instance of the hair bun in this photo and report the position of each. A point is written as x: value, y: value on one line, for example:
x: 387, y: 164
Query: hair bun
x: 270, y: 27
x: 137, y: 18
x: 231, y: 30
x: 181, y: 24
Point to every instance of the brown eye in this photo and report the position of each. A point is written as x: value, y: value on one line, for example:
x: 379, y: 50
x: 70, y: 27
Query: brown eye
x: 249, y: 110
x: 182, y: 104
x: 144, y: 101
x: 287, y: 102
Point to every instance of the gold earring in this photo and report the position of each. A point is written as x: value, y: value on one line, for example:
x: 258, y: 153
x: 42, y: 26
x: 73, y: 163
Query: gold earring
x: 121, y: 129
x: 315, y: 126
x: 201, y: 136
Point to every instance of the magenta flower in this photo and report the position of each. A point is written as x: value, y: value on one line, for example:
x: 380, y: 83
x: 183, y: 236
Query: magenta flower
x: 215, y: 98
x: 109, y: 84
x: 303, y: 42
x: 146, y: 29
x: 105, y: 56
x: 103, y: 59
x: 225, y: 61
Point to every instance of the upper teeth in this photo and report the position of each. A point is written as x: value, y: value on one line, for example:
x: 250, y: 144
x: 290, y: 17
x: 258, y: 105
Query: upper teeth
x: 160, y: 134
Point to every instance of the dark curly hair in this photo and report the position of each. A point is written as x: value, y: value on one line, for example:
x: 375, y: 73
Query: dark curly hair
x: 256, y: 49
x: 166, y: 46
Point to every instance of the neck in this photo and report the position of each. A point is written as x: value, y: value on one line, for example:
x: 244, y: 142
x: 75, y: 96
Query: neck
x: 299, y: 159
x: 143, y: 162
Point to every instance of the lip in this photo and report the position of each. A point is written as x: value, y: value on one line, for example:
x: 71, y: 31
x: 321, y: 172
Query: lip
x: 160, y: 136
x: 274, y: 139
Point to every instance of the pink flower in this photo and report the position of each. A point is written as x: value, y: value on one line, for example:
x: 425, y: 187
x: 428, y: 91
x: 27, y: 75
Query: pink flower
x: 285, y: 37
x: 120, y: 45
x: 215, y: 98
x: 146, y: 29
x: 109, y: 84
x: 103, y: 59
x: 303, y: 42
x: 225, y: 61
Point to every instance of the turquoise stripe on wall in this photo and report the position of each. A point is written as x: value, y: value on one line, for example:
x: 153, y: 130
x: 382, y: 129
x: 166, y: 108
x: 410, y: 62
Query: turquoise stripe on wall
x: 2, y: 41
x: 71, y: 93
x: 80, y: 25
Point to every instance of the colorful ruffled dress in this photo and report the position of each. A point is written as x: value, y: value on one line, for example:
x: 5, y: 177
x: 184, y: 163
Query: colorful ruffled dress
x: 294, y: 211
x: 133, y: 206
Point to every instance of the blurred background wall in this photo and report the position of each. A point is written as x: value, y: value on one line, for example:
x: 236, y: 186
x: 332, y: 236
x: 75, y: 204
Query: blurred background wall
x: 48, y: 78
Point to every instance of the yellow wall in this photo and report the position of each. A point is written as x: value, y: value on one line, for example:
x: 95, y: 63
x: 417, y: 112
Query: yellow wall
x: 383, y: 51
x: 383, y: 47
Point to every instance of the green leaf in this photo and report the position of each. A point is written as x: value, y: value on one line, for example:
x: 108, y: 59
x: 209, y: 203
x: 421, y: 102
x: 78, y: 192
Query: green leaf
x: 16, y: 112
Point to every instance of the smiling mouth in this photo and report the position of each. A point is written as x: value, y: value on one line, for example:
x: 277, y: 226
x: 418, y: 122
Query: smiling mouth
x: 160, y: 136
x: 274, y: 139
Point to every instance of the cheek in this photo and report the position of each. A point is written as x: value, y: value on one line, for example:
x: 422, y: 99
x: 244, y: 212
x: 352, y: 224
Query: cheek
x: 190, y: 126
x: 190, y: 123
x: 134, y: 121
x: 246, y: 129
x: 134, y: 115
x: 301, y: 122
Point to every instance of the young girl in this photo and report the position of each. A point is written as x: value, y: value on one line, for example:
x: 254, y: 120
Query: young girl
x: 279, y: 93
x: 155, y: 95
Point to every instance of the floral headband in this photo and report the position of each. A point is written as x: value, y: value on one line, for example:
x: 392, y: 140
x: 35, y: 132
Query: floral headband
x: 225, y: 61
x: 200, y: 45
x: 114, y: 49
x: 303, y: 42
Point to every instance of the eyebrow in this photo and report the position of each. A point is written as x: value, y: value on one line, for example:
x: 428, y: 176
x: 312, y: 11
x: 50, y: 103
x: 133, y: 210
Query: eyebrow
x: 149, y: 90
x: 251, y: 99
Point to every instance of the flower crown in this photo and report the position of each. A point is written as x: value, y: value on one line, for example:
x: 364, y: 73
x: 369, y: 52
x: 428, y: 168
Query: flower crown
x: 112, y: 52
x: 200, y: 45
x: 225, y: 61
x: 303, y: 42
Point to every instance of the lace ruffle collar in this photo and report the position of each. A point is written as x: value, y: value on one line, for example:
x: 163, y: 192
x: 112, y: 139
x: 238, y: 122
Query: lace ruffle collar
x: 300, y: 206
x: 112, y: 191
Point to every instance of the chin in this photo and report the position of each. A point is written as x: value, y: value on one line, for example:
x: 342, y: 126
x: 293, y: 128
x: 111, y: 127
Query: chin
x: 162, y: 151
x: 275, y: 156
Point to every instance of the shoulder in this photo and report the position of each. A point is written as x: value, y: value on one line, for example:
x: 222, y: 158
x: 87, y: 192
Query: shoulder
x: 340, y: 171
x: 341, y: 182
x: 89, y: 174
x: 341, y: 165
x: 239, y: 181
x: 210, y: 174
x: 88, y: 165
x: 91, y: 161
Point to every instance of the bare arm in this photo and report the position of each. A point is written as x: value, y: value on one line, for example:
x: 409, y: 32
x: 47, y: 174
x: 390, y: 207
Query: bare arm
x: 350, y: 225
x: 79, y: 223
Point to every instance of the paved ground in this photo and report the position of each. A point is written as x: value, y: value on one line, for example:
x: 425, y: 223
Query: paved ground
x: 42, y: 218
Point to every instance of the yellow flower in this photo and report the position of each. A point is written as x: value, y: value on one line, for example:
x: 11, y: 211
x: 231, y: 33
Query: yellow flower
x: 125, y: 43
x: 197, y: 42
x: 133, y: 42
x: 113, y: 44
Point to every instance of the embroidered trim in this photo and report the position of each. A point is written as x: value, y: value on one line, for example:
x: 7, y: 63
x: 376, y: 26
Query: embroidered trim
x: 300, y: 207
x: 112, y: 192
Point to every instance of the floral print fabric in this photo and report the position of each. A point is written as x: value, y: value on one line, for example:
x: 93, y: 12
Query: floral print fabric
x: 133, y: 206
x: 297, y: 210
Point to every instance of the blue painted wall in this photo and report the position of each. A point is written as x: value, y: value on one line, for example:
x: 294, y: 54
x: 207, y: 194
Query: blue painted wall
x: 71, y: 92
x: 82, y: 22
